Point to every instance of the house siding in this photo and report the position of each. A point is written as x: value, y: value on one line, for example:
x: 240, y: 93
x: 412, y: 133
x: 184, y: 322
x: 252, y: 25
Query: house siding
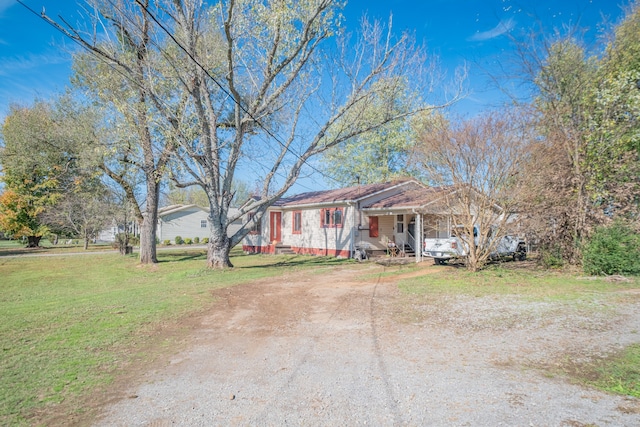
x: 385, y: 233
x: 186, y: 223
x: 313, y: 239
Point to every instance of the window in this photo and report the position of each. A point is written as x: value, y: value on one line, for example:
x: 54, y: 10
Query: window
x: 255, y: 228
x: 331, y: 217
x: 203, y: 223
x: 400, y: 224
x: 337, y: 217
x: 297, y: 222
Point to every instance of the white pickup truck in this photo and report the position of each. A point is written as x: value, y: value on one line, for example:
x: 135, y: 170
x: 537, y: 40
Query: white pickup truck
x: 444, y: 249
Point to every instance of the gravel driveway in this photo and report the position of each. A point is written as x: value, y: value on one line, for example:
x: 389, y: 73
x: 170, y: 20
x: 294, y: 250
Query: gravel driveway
x: 311, y: 349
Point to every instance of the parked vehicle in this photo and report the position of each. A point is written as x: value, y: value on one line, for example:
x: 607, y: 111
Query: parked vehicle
x: 444, y: 249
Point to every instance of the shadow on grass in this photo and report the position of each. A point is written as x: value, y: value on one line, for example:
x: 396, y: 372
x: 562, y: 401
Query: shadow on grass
x: 23, y: 250
x: 300, y: 260
x: 182, y: 256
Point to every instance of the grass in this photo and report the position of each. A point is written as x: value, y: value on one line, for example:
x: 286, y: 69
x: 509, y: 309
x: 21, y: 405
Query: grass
x: 618, y: 373
x: 17, y: 247
x: 68, y: 324
x: 531, y: 283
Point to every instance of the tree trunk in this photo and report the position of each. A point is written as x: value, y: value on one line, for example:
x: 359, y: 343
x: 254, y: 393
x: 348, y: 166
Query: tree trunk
x: 124, y: 242
x: 473, y: 263
x: 86, y: 240
x: 149, y: 225
x: 218, y: 248
x: 33, y: 241
x: 148, y: 239
x: 218, y: 256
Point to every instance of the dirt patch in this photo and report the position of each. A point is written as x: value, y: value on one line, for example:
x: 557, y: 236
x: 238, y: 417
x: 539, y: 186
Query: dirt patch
x: 327, y: 348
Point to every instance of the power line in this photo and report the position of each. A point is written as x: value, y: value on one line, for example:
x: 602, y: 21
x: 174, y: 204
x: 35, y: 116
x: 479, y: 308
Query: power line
x: 281, y: 174
x: 140, y: 86
x: 226, y: 92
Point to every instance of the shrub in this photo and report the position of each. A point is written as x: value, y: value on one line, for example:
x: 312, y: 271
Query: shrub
x: 188, y: 240
x: 196, y: 240
x: 179, y: 240
x: 121, y: 238
x: 205, y: 241
x: 551, y: 257
x: 614, y: 249
x: 166, y: 242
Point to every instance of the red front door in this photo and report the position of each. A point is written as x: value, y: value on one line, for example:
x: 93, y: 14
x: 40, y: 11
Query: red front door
x: 275, y: 221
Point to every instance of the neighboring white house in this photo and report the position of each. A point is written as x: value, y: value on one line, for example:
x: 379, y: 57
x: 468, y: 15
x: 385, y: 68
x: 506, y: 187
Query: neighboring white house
x: 336, y: 222
x: 187, y: 221
x: 108, y: 234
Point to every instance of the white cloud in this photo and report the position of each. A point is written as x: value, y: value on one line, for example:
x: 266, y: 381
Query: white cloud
x: 21, y: 63
x: 504, y: 26
x: 6, y: 4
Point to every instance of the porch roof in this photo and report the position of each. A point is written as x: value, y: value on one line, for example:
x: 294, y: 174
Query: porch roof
x: 341, y: 195
x: 410, y: 199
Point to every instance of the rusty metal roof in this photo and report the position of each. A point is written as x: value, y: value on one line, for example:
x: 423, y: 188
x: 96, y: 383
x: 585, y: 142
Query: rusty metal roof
x: 414, y: 197
x: 341, y: 195
x: 409, y: 194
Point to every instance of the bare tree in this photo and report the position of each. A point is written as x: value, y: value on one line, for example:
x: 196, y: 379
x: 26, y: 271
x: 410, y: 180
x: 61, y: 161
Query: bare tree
x: 281, y: 94
x: 479, y: 161
x: 251, y: 87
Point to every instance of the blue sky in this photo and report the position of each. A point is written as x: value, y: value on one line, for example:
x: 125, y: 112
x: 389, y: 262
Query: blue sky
x: 34, y: 58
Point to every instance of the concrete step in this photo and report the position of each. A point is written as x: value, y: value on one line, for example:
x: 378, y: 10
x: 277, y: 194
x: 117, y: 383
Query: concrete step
x: 284, y: 250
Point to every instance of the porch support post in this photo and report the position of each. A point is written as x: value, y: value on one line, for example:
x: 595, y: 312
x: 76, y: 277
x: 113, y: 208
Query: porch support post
x: 420, y: 238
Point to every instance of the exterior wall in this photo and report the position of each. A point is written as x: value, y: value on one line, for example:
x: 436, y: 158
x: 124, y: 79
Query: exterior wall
x: 187, y: 223
x: 258, y: 243
x: 184, y: 223
x: 317, y: 239
x: 313, y: 239
x: 386, y: 227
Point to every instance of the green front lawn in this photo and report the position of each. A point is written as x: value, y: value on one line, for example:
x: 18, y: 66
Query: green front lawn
x: 70, y: 323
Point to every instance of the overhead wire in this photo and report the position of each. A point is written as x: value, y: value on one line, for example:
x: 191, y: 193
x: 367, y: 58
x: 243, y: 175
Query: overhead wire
x: 132, y: 81
x: 226, y: 92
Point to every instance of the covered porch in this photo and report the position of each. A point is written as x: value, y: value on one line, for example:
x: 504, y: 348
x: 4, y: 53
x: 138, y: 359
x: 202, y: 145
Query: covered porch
x: 401, y: 231
x: 405, y: 219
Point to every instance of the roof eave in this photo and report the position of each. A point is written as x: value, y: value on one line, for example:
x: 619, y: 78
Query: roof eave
x: 314, y: 205
x: 400, y: 184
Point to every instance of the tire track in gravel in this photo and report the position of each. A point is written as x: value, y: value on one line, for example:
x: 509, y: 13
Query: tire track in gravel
x: 379, y: 355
